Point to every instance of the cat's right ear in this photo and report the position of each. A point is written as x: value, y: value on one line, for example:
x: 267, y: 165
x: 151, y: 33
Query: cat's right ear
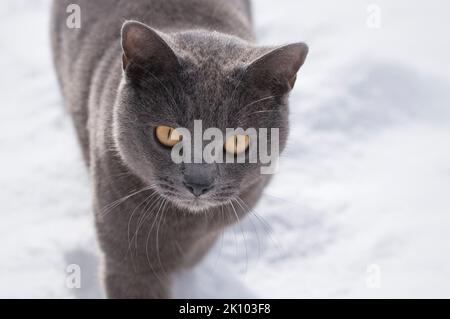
x: 277, y: 69
x: 144, y: 47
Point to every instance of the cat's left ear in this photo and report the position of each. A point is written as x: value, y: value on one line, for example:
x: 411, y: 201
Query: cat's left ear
x: 145, y: 47
x: 277, y: 69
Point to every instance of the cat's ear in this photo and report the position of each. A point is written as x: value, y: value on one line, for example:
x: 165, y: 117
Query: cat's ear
x: 144, y: 47
x: 277, y: 69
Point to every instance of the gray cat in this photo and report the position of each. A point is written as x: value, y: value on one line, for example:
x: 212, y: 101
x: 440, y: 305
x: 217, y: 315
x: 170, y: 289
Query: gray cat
x: 122, y: 80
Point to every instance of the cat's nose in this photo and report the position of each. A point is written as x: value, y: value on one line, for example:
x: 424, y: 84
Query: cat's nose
x: 198, y: 189
x: 199, y: 178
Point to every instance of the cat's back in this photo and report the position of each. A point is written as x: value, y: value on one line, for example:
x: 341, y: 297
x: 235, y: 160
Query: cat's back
x: 101, y: 20
x: 78, y: 51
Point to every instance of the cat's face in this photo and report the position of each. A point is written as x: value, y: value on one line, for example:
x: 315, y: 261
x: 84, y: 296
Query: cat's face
x: 217, y: 79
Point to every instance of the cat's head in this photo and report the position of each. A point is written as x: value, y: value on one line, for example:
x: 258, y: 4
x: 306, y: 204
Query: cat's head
x: 171, y: 80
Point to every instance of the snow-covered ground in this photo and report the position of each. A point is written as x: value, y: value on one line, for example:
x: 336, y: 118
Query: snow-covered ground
x: 360, y: 207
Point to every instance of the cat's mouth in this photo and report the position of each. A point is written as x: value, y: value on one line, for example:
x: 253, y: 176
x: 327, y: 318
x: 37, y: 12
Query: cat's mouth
x: 194, y: 204
x: 187, y: 201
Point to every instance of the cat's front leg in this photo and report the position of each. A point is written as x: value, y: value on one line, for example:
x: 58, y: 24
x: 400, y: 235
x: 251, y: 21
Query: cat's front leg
x: 126, y: 283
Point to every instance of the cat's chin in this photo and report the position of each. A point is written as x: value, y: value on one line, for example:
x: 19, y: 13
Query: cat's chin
x: 194, y: 205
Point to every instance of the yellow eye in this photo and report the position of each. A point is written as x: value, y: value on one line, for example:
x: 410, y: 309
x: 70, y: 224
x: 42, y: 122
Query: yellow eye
x: 167, y: 136
x: 237, y: 144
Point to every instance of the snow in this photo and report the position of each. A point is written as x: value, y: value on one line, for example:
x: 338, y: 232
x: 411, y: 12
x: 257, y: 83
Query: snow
x: 359, y: 208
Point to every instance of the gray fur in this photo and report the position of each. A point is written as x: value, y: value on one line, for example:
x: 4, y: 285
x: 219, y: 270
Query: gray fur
x: 189, y: 59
